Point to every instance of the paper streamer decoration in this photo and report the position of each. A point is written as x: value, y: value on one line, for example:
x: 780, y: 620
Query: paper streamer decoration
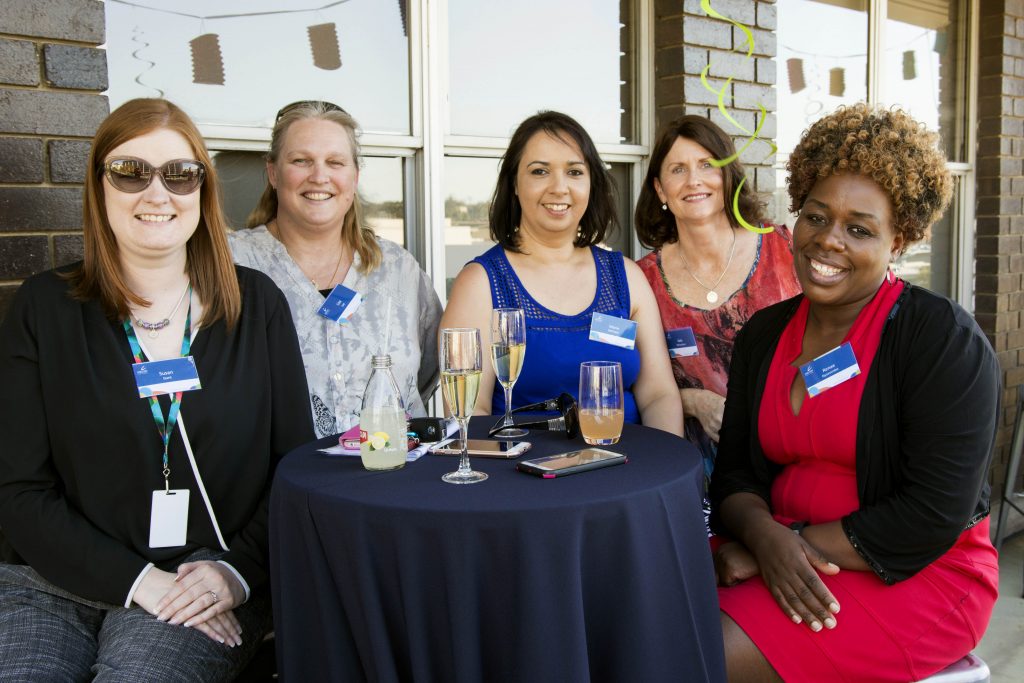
x: 836, y: 82
x: 909, y: 66
x: 323, y: 39
x: 720, y: 93
x: 207, y: 63
x: 795, y: 71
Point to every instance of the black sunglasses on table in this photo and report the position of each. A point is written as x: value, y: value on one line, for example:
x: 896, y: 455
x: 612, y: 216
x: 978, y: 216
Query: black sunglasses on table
x: 568, y: 419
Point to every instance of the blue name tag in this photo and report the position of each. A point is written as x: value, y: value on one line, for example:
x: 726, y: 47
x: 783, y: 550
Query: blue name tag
x: 608, y: 329
x: 166, y: 376
x: 340, y: 304
x: 681, y: 342
x: 830, y: 369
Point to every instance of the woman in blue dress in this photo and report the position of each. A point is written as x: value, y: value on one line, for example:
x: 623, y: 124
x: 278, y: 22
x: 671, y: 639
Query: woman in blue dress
x: 553, y: 204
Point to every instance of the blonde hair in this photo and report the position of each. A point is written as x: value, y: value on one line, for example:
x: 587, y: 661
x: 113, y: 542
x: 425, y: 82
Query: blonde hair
x: 208, y: 257
x: 354, y: 231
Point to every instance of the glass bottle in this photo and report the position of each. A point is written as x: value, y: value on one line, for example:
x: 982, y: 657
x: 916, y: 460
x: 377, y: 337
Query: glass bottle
x: 383, y: 441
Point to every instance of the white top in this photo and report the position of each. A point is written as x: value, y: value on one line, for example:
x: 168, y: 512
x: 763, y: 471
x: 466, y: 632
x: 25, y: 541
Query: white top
x: 337, y: 355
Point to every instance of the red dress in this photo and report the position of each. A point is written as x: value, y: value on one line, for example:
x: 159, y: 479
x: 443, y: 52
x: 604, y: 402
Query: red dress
x: 904, y: 632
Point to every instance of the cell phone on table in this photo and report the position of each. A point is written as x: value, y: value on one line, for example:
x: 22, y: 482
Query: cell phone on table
x: 572, y: 462
x: 484, y: 448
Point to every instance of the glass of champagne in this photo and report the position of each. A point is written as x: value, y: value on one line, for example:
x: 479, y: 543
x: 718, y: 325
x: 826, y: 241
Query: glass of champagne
x: 460, y: 382
x: 508, y: 350
x: 601, y: 408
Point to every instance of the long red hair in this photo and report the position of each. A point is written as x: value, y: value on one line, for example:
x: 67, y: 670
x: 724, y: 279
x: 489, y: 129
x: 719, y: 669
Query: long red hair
x: 208, y: 257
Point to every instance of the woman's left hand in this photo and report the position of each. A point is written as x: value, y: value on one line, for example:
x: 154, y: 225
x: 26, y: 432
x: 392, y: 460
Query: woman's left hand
x: 202, y: 591
x: 789, y: 566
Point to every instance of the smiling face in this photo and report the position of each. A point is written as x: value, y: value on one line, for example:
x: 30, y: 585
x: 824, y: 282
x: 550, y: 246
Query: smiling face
x: 689, y: 184
x: 553, y: 184
x: 843, y: 240
x: 315, y: 175
x: 153, y: 223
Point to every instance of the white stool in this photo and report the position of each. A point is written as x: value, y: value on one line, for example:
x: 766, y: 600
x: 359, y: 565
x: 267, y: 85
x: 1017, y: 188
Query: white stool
x: 970, y: 669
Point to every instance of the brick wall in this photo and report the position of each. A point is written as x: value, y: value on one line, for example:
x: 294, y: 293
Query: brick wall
x: 1000, y: 210
x: 51, y: 75
x: 686, y: 40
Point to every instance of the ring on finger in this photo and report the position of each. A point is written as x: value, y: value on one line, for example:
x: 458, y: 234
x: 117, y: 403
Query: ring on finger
x: 215, y: 598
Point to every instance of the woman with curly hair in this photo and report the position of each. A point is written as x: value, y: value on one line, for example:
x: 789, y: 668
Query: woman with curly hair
x: 861, y: 416
x: 708, y: 273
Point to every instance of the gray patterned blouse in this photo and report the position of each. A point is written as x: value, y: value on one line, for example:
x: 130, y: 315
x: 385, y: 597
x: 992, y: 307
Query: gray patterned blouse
x: 337, y: 355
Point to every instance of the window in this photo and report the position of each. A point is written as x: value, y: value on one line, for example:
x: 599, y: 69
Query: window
x: 908, y: 53
x: 436, y: 85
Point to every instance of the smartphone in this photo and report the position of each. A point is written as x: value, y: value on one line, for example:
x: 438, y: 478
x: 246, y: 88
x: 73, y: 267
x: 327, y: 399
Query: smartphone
x: 484, y: 448
x: 572, y: 462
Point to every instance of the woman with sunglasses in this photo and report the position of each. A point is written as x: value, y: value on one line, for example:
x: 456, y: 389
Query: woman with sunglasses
x: 308, y: 234
x: 133, y: 528
x: 553, y: 204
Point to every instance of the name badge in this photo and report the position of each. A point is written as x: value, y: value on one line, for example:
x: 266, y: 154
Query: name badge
x: 681, y: 342
x: 166, y: 376
x: 608, y: 329
x: 168, y: 519
x: 830, y: 369
x: 340, y: 304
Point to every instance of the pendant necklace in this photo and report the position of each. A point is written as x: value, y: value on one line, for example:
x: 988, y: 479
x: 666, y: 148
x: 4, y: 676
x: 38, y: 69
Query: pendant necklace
x: 154, y: 328
x: 712, y: 295
x: 337, y: 267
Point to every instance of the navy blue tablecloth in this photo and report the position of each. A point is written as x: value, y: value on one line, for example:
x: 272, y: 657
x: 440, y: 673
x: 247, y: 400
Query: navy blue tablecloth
x: 398, y: 576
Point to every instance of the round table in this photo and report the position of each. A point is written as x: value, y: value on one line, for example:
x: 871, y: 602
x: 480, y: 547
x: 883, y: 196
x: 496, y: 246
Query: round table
x: 397, y: 576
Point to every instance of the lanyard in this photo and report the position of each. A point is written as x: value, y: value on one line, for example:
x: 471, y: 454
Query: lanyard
x: 164, y: 427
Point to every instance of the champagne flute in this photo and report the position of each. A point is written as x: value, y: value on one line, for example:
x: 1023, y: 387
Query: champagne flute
x: 460, y: 382
x: 508, y: 350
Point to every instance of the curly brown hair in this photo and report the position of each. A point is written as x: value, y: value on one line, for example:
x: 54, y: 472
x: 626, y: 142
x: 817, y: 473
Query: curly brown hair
x: 886, y: 145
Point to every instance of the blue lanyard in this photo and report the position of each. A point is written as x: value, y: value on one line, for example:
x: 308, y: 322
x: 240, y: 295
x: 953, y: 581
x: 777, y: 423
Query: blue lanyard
x: 164, y: 427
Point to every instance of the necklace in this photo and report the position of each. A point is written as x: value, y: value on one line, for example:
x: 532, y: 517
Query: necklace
x: 337, y: 267
x: 273, y: 229
x: 712, y: 295
x: 154, y: 328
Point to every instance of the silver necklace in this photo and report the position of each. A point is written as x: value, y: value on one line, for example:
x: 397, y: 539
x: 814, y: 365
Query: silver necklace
x: 712, y: 295
x: 154, y: 328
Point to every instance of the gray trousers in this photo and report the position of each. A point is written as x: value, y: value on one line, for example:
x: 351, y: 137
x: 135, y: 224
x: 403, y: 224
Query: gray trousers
x: 48, y: 634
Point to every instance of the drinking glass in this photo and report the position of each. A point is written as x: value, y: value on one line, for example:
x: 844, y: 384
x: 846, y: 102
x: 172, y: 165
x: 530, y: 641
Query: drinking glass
x: 460, y: 382
x: 508, y: 349
x: 601, y: 408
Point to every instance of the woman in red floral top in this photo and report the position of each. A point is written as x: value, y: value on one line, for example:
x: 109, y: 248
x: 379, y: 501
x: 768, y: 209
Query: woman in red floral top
x: 708, y: 272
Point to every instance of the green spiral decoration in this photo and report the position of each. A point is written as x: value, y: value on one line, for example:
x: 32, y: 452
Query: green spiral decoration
x: 720, y: 94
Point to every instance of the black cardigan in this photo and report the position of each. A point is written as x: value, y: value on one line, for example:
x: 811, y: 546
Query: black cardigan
x: 925, y: 430
x: 81, y: 454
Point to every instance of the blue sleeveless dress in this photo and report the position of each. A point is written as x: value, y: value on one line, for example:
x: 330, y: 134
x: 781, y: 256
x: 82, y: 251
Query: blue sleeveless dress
x: 556, y: 344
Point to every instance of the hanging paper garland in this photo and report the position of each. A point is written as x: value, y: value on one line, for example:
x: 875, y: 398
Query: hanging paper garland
x: 207, y: 62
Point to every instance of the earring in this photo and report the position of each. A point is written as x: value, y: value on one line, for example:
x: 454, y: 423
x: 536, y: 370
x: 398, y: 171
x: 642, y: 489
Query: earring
x: 890, y: 273
x: 664, y: 207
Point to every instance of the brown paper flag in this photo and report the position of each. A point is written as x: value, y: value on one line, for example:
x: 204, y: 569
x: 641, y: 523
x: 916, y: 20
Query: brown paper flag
x: 323, y: 39
x: 207, y: 64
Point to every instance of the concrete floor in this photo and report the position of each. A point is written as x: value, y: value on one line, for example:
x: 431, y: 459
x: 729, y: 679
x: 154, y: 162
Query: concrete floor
x: 1002, y: 648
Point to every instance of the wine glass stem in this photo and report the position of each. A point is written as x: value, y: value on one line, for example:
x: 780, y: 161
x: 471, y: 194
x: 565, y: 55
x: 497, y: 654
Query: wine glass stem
x: 508, y: 405
x: 464, y: 436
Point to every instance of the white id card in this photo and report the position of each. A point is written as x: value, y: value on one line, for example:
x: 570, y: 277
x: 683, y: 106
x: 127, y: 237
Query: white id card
x: 168, y: 521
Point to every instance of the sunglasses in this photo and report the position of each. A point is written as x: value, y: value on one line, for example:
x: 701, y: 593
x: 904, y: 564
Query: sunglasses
x: 324, y: 104
x: 179, y: 176
x: 568, y: 419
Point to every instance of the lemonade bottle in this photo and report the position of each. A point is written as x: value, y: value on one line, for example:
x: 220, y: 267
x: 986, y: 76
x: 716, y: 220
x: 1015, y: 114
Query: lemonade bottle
x: 383, y: 442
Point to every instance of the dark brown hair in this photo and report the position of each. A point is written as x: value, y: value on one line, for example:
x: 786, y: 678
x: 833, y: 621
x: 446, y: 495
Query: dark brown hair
x: 208, y: 258
x: 655, y: 226
x: 506, y: 212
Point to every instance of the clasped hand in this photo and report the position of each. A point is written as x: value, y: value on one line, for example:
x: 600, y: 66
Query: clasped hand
x: 202, y: 595
x: 789, y: 567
